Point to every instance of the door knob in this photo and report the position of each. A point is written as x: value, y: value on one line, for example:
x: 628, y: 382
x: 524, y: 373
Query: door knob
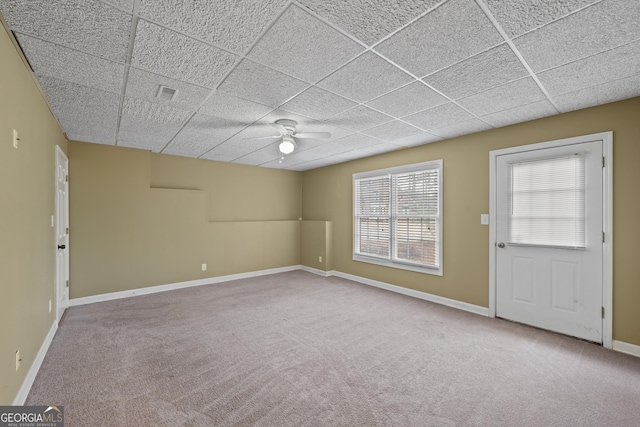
x: 62, y: 246
x: 501, y: 245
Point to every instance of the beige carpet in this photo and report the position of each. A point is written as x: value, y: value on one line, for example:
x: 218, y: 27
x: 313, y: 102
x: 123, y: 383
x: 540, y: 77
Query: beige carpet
x: 295, y: 349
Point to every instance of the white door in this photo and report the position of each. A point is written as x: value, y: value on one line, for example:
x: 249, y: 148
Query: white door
x: 62, y: 233
x: 549, y: 238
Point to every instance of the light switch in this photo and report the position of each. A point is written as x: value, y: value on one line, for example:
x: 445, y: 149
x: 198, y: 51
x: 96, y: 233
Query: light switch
x: 484, y: 219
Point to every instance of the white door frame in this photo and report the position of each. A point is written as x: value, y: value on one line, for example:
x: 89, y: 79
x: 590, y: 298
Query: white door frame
x: 58, y: 285
x: 607, y: 194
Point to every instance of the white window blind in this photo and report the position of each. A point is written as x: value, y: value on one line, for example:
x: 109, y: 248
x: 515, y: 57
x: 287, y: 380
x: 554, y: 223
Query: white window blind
x: 398, y: 217
x: 548, y: 202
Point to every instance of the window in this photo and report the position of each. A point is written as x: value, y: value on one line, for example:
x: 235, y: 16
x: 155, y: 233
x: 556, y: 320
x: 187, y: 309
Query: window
x: 398, y: 217
x: 547, y: 202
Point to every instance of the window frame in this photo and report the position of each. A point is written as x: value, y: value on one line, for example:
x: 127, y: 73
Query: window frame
x: 389, y: 261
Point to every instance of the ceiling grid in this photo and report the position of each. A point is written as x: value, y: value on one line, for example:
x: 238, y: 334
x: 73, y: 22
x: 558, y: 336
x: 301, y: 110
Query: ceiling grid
x: 378, y: 75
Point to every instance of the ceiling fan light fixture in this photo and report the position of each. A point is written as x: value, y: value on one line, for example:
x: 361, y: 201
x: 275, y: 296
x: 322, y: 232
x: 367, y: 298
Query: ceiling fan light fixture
x: 287, y: 145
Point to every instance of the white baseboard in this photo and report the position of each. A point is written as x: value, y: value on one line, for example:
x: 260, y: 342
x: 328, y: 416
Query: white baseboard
x: 624, y: 347
x: 476, y: 309
x: 180, y: 285
x: 21, y: 397
x: 316, y: 271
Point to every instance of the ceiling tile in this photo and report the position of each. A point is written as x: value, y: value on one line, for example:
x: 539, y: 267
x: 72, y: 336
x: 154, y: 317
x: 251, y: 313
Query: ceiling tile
x: 138, y: 109
x: 359, y: 118
x: 417, y: 139
x: 318, y: 104
x: 592, y: 71
x: 393, y: 131
x: 517, y: 17
x: 86, y: 110
x: 191, y: 142
x: 407, y: 100
x: 452, y: 32
x: 481, y: 72
x: 385, y: 147
x: 317, y: 152
x: 264, y: 155
x: 510, y: 95
x: 148, y: 125
x: 144, y: 85
x: 170, y: 54
x: 62, y: 63
x: 520, y: 114
x: 461, y: 128
x: 225, y: 152
x: 258, y: 83
x: 438, y: 117
x: 229, y: 24
x: 214, y: 129
x: 141, y: 142
x: 301, y: 45
x: 365, y: 78
x: 231, y: 108
x: 87, y: 25
x: 600, y: 27
x: 126, y: 5
x: 601, y: 94
x: 357, y: 141
x: 369, y: 21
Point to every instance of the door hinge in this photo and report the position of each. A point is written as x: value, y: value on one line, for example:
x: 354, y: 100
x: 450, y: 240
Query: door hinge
x: 66, y: 177
x: 67, y: 283
x: 603, y: 312
x: 603, y: 237
x: 67, y: 230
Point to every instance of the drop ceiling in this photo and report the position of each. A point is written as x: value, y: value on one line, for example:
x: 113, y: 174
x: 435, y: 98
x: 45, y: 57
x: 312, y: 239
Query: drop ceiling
x: 379, y: 75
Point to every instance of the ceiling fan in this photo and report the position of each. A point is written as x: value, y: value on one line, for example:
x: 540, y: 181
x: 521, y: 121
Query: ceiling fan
x: 288, y: 135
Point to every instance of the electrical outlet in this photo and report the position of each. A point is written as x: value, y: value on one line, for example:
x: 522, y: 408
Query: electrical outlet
x: 49, y: 306
x: 18, y: 360
x: 319, y: 259
x: 204, y: 267
x: 15, y: 139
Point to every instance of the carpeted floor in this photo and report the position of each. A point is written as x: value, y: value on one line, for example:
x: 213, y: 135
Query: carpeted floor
x: 295, y: 349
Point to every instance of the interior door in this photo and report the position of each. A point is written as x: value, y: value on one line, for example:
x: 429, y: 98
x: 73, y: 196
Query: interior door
x: 62, y: 233
x: 549, y: 233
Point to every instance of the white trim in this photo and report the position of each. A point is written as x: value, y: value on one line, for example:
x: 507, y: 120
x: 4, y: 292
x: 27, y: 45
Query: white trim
x: 180, y: 285
x: 625, y: 347
x: 476, y: 309
x: 322, y: 273
x: 607, y: 261
x: 21, y: 397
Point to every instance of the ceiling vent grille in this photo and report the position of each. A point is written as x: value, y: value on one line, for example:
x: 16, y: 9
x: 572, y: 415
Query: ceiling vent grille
x: 166, y: 93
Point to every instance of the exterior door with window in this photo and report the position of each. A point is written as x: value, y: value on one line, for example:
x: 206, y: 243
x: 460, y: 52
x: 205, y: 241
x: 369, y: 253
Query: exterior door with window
x: 549, y: 231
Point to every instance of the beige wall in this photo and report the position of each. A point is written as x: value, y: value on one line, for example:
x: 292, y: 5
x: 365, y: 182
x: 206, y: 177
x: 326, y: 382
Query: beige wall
x: 327, y: 196
x: 140, y: 219
x: 316, y: 245
x: 27, y: 252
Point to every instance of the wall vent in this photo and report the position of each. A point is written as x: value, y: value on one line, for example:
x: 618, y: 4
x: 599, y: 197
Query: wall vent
x: 166, y: 93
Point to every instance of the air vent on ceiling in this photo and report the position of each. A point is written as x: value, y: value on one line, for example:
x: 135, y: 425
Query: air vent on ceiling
x: 166, y: 93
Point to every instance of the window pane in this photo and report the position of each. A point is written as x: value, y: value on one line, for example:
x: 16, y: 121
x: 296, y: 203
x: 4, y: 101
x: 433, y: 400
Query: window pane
x: 416, y: 240
x: 548, y: 202
x: 373, y: 196
x: 374, y: 236
x: 417, y: 193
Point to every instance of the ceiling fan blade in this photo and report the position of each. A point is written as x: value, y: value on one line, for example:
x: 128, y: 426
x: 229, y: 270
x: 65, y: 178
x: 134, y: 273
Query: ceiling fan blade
x: 316, y: 135
x: 262, y: 137
x: 280, y: 128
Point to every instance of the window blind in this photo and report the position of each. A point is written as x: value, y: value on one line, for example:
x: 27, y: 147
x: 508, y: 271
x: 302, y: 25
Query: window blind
x: 547, y: 201
x: 415, y: 217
